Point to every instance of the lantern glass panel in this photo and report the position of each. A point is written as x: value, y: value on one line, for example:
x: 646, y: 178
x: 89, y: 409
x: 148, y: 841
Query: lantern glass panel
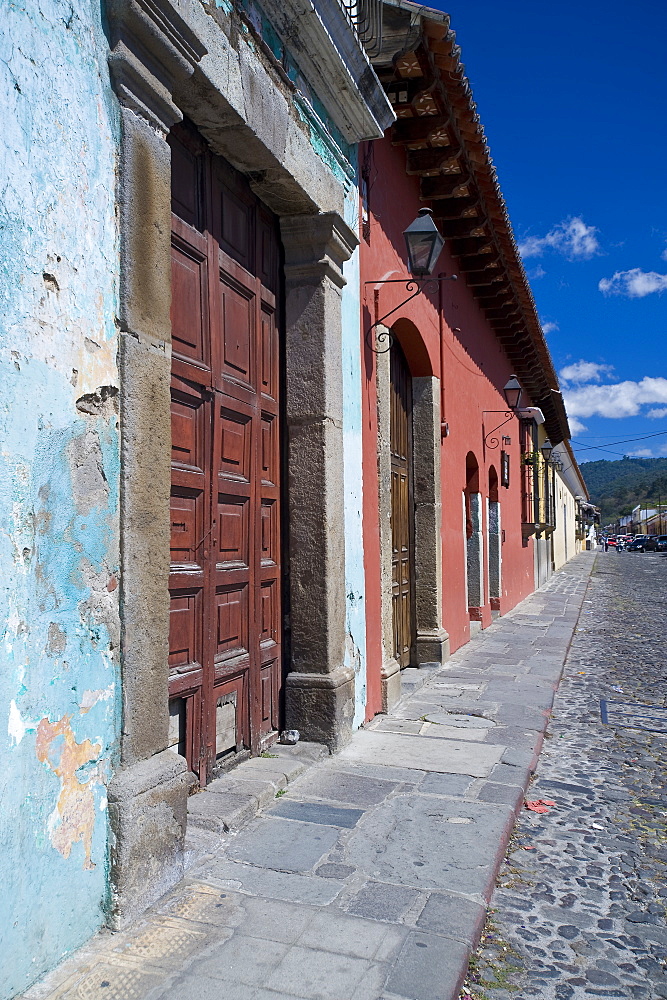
x: 512, y: 393
x: 424, y: 244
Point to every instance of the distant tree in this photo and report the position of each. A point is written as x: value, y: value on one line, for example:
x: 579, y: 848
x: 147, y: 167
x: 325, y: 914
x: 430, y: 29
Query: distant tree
x: 617, y: 487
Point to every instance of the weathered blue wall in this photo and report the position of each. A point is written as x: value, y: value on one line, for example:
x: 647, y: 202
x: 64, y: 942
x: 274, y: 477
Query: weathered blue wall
x: 59, y: 474
x: 355, y: 648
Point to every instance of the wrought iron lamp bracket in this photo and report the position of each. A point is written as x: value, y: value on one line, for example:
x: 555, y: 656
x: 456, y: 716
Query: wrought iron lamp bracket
x: 489, y: 440
x: 413, y: 285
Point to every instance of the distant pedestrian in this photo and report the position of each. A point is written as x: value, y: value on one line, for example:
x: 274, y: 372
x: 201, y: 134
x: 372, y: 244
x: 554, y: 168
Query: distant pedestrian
x: 606, y: 544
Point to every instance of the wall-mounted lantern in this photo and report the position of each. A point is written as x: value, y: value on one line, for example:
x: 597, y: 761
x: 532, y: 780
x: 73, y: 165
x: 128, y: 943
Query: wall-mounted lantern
x: 546, y: 448
x: 512, y: 392
x: 424, y: 245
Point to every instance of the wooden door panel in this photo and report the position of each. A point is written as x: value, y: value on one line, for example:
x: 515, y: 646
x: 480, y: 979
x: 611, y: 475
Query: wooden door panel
x: 270, y: 456
x: 238, y: 348
x: 187, y: 526
x: 236, y: 228
x: 234, y: 446
x: 189, y: 428
x: 401, y: 509
x: 232, y: 605
x: 226, y: 558
x: 270, y: 535
x: 233, y: 537
x: 184, y: 628
x: 187, y: 180
x: 238, y: 322
x: 269, y: 354
x: 188, y: 331
x: 269, y: 608
x: 270, y: 686
x: 267, y: 251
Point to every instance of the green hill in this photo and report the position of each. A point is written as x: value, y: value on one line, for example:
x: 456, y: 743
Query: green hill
x: 617, y: 487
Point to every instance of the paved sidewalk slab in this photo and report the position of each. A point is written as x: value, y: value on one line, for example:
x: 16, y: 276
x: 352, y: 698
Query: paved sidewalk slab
x: 363, y: 876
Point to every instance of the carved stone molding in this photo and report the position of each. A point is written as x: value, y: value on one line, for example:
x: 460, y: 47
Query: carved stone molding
x: 152, y: 50
x: 329, y: 52
x: 316, y: 246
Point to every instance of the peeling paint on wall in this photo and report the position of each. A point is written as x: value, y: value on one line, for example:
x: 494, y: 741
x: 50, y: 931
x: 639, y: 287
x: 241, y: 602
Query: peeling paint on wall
x: 73, y: 818
x: 59, y: 476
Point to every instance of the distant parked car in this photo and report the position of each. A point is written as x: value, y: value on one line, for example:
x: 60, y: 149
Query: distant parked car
x: 638, y: 544
x: 650, y: 542
x: 661, y: 543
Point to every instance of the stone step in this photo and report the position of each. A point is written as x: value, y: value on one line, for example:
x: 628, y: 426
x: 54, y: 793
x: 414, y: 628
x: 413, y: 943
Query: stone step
x: 232, y: 800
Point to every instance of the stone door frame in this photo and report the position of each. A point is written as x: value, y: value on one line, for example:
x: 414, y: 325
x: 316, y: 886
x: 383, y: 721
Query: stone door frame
x: 148, y: 793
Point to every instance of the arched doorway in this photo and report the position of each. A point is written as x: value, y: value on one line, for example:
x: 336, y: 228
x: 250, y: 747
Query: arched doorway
x: 402, y: 504
x: 494, y: 542
x: 474, y: 542
x: 409, y: 508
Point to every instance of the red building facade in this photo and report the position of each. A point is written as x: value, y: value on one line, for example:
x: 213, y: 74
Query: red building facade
x: 449, y: 532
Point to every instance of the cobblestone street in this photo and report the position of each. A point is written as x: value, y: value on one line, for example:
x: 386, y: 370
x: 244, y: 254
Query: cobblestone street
x: 579, y: 907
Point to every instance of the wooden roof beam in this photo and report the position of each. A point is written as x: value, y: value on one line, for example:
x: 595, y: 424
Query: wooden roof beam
x: 485, y: 278
x: 487, y: 290
x: 415, y: 130
x: 457, y: 228
x: 454, y: 208
x: 479, y: 262
x: 471, y: 246
x: 444, y: 186
x: 501, y: 310
x: 501, y: 303
x: 433, y: 160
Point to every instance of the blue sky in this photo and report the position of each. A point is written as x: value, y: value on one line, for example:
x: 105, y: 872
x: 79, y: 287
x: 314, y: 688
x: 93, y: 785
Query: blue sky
x: 572, y: 98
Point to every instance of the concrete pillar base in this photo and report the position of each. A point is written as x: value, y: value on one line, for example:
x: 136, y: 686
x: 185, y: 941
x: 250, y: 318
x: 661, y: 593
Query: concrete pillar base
x: 148, y: 815
x: 391, y: 684
x: 432, y: 647
x: 321, y: 706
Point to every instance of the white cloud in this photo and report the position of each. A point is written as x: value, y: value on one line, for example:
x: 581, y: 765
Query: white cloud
x: 620, y: 399
x: 576, y: 426
x: 549, y: 327
x: 658, y: 413
x: 664, y: 254
x: 537, y: 272
x: 584, y: 371
x: 573, y: 238
x: 634, y: 283
x: 640, y: 453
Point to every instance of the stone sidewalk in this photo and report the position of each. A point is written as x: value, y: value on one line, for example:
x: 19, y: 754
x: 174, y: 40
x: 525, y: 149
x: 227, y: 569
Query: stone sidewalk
x: 360, y: 876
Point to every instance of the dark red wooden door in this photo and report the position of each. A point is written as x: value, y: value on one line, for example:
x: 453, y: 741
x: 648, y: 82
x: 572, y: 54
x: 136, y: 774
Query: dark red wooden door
x: 225, y: 636
x: 401, y: 507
